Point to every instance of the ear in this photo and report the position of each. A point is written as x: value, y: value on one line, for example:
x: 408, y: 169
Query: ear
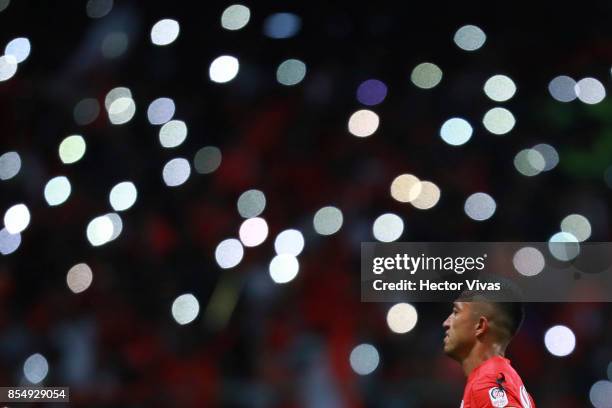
x: 482, y: 326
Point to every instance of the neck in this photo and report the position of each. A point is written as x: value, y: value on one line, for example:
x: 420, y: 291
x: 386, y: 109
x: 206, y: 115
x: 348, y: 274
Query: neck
x: 479, y: 354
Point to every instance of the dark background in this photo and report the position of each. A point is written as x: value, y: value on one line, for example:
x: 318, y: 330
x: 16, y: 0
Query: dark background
x: 116, y: 344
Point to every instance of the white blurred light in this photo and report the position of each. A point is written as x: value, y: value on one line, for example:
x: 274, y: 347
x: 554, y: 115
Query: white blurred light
x: 176, y: 172
x: 564, y: 246
x: 289, y: 242
x: 577, y: 225
x: 291, y: 72
x: 405, y: 188
x: 165, y: 31
x: 284, y: 268
x: 207, y: 159
x: 480, y: 206
x: 10, y: 164
x: 8, y: 67
x: 600, y: 394
x: 429, y: 195
x: 121, y: 110
x: 327, y: 220
x: 550, y: 155
x: 470, y: 38
x: 223, y: 69
x: 363, y: 123
x: 528, y: 261
x: 499, y: 121
x: 185, y: 309
x: 402, y: 318
x: 235, y: 17
x: 99, y: 230
x: 173, y: 133
x: 9, y: 242
x: 123, y: 195
x: 251, y: 203
x: 116, y: 93
x: 114, y: 45
x: 160, y: 111
x: 86, y: 111
x: 57, y: 190
x: 590, y: 91
x: 456, y: 131
x: 18, y: 48
x: 560, y: 341
x: 115, y: 219
x: 16, y: 218
x: 72, y: 149
x: 426, y: 75
x: 35, y: 368
x: 79, y: 278
x: 4, y: 4
x: 98, y: 8
x: 563, y: 88
x: 282, y: 25
x: 388, y: 228
x: 500, y: 88
x: 229, y: 253
x: 253, y: 231
x: 529, y: 162
x: 364, y: 359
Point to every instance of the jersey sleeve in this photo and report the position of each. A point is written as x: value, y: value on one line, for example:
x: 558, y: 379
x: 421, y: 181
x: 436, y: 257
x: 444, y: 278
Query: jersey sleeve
x: 489, y: 394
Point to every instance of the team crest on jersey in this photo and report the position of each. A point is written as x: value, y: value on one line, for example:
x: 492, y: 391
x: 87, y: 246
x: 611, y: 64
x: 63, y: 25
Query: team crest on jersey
x: 498, y: 397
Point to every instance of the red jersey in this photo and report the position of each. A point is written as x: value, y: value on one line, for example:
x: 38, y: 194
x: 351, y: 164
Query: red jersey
x: 494, y: 383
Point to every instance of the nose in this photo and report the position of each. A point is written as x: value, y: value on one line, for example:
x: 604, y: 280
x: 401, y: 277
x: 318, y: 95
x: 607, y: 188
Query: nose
x: 446, y: 323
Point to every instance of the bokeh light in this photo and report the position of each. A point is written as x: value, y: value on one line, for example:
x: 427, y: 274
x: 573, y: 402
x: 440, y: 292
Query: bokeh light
x: 176, y: 172
x: 165, y: 32
x: 229, y: 253
x: 173, y: 133
x: 185, y: 308
x: 388, y: 227
x: 528, y: 261
x: 86, y: 111
x: 9, y: 243
x: 253, y: 231
x: 8, y: 67
x: 564, y: 246
x: 19, y: 48
x: 500, y: 88
x: 328, y: 220
x: 364, y: 359
x: 114, y: 45
x: 470, y: 38
x: 223, y: 69
x: 426, y: 75
x: 251, y: 203
x: 99, y: 230
x: 529, y: 162
x: 284, y: 268
x: 98, y: 8
x: 456, y: 131
x: 577, y: 225
x: 115, y: 219
x: 560, y: 341
x: 160, y: 111
x: 10, y: 164
x: 290, y: 241
x: 499, y: 121
x: 57, y: 190
x: 363, y: 123
x: 235, y: 17
x: 428, y: 197
x: 562, y: 88
x: 121, y: 110
x: 405, y: 188
x: 79, y: 278
x: 282, y: 25
x: 590, y: 91
x: 116, y: 93
x: 35, y: 368
x: 600, y: 394
x: 207, y: 159
x: 123, y: 196
x: 550, y: 155
x: 480, y: 206
x: 17, y: 218
x: 402, y: 318
x: 291, y: 72
x: 371, y: 92
x: 4, y: 4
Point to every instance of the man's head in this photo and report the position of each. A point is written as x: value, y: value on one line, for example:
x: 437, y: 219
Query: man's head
x: 477, y: 320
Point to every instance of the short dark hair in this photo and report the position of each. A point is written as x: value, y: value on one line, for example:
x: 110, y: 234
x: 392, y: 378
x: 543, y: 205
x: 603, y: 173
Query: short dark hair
x: 509, y: 315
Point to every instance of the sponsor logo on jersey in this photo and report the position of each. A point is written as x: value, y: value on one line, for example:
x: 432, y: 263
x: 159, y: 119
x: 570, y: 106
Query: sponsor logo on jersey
x: 498, y: 397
